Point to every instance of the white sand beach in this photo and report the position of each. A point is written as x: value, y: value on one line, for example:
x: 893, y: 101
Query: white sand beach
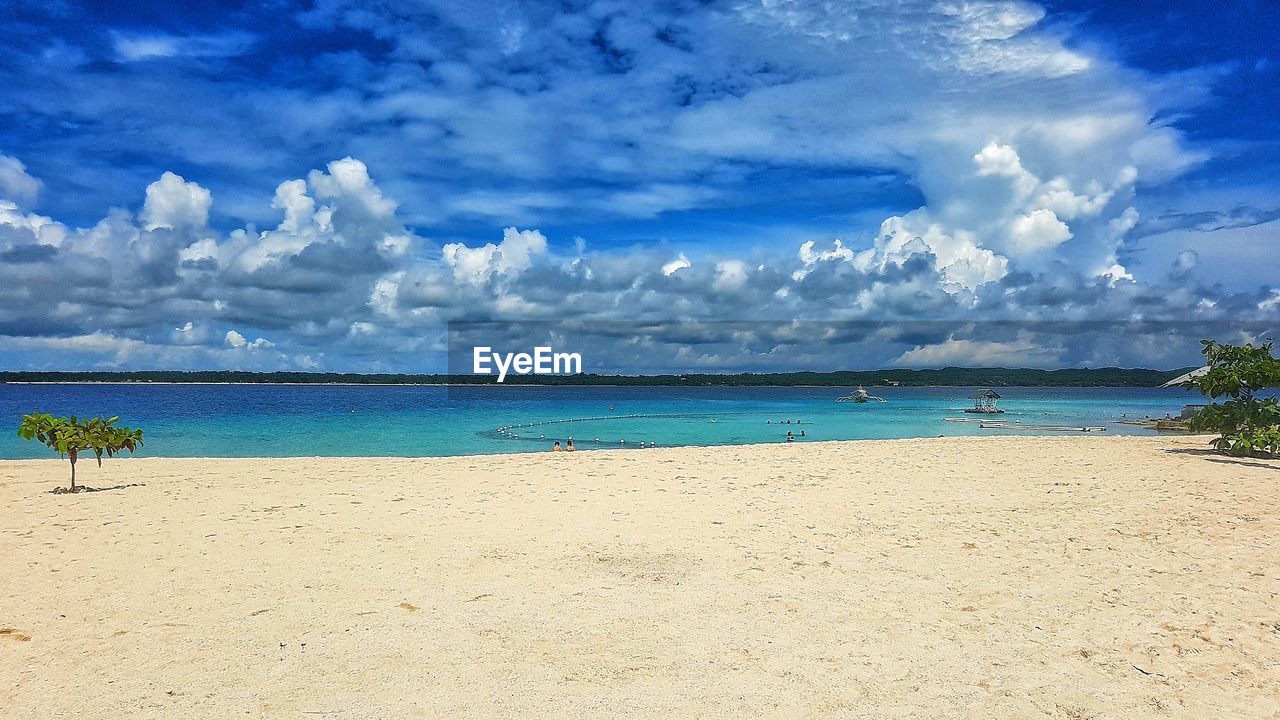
x: 1063, y: 577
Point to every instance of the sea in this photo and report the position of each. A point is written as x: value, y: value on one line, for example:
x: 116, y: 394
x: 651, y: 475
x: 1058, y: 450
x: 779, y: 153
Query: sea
x: 188, y: 420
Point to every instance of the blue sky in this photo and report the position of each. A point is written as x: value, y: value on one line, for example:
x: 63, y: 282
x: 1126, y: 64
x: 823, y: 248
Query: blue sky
x: 327, y: 185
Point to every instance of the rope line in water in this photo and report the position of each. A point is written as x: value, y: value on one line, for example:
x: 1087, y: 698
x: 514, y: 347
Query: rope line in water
x: 506, y: 432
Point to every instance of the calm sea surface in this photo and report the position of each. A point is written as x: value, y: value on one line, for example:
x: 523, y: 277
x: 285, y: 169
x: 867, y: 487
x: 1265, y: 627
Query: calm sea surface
x: 308, y: 420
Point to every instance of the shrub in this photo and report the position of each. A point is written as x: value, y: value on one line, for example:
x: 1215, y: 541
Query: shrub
x: 71, y: 436
x: 1247, y: 424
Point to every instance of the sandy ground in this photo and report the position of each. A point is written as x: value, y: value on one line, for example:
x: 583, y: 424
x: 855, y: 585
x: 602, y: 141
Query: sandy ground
x: 1065, y: 577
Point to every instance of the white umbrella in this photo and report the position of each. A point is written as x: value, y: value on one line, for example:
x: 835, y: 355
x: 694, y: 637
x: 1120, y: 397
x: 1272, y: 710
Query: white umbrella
x: 1183, y: 378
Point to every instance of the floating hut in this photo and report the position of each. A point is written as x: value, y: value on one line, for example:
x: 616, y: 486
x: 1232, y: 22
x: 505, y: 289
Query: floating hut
x: 984, y: 402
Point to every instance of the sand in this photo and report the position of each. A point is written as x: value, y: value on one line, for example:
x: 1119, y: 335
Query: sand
x: 1064, y: 577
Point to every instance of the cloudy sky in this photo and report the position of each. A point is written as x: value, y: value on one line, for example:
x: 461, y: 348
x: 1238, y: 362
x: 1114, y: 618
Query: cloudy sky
x: 754, y: 184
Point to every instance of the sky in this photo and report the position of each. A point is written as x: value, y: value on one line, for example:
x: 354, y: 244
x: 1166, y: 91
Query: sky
x: 661, y: 186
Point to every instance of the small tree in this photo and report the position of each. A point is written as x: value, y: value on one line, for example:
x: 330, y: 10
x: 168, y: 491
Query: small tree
x: 72, y: 436
x: 1247, y: 425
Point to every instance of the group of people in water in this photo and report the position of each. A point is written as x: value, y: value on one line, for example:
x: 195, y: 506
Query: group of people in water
x: 568, y: 445
x: 791, y: 437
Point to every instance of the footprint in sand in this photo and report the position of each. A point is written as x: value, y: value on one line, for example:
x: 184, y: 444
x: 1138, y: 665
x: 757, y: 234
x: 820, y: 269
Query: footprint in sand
x: 12, y: 634
x: 410, y: 608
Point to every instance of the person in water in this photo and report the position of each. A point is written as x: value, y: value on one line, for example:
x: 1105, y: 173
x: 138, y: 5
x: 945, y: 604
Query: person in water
x: 568, y: 446
x: 801, y: 433
x: 790, y: 437
x: 556, y: 447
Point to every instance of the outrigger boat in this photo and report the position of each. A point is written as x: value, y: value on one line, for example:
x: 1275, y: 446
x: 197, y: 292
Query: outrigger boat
x: 859, y: 396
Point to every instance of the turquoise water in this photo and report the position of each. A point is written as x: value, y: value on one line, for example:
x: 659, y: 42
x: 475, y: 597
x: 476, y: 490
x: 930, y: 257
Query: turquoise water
x: 310, y: 420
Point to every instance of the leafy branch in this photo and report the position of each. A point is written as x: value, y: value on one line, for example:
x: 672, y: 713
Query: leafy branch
x: 1247, y: 424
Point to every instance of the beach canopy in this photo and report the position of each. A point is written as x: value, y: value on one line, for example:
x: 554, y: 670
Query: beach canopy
x: 1186, y: 376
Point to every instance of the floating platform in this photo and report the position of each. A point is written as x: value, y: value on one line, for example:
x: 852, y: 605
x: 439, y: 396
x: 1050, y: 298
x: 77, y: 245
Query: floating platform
x: 1053, y: 428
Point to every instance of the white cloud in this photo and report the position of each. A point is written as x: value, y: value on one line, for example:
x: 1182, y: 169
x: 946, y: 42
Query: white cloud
x: 348, y: 180
x: 1272, y: 302
x: 175, y: 203
x: 731, y: 276
x: 1159, y: 155
x: 367, y: 297
x: 116, y: 350
x: 517, y: 251
x: 35, y: 228
x: 1039, y: 230
x: 957, y: 256
x: 680, y: 263
x: 1116, y: 273
x: 837, y: 252
x: 15, y: 183
x: 1021, y: 352
x: 1003, y: 160
x: 132, y: 47
x: 238, y: 341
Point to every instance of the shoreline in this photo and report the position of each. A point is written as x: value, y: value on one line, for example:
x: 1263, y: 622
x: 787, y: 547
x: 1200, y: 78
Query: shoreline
x: 589, y: 449
x: 566, y: 385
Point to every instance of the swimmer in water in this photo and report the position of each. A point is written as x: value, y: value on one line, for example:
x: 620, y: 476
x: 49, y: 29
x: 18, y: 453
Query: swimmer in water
x: 568, y: 446
x: 556, y: 447
x: 790, y: 437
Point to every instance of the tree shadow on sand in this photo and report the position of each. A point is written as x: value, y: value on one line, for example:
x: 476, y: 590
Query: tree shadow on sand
x: 1217, y: 457
x: 87, y: 489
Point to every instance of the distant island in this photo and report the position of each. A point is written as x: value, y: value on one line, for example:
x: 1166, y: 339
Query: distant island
x: 949, y: 376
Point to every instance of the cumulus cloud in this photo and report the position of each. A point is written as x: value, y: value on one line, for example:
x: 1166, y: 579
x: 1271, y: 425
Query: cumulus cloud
x: 15, y: 183
x: 238, y: 341
x: 175, y: 203
x: 1039, y: 230
x: 340, y: 279
x: 517, y: 251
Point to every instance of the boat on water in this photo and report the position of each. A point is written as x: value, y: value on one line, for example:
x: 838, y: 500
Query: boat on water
x: 859, y: 397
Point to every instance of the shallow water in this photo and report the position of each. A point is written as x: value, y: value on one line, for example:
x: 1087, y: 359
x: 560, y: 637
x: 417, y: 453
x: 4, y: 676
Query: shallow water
x: 303, y: 420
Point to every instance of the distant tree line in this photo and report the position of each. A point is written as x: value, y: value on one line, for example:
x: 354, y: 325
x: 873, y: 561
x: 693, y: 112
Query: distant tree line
x: 950, y: 376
